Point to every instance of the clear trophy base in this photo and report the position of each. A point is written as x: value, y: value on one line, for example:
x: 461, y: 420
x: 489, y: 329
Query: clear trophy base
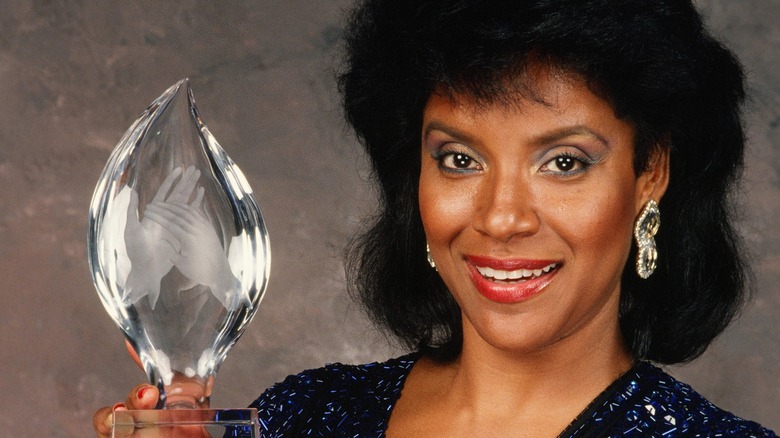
x: 198, y: 423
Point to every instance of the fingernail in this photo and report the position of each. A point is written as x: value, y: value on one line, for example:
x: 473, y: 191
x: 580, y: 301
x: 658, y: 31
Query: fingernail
x: 140, y: 394
x: 118, y: 406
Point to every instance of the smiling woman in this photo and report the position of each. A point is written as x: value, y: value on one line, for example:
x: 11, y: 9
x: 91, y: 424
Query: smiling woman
x: 607, y: 73
x: 522, y: 205
x: 529, y: 146
x: 524, y: 152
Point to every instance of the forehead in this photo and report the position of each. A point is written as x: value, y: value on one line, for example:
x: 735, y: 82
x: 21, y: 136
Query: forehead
x: 542, y: 99
x: 533, y: 82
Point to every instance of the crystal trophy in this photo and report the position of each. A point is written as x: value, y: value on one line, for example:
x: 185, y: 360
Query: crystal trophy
x: 180, y: 258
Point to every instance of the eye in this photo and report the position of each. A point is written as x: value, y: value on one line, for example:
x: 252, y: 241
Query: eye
x: 566, y: 164
x: 457, y: 161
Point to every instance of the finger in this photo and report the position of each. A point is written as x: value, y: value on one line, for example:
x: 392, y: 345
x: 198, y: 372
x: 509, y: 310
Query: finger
x: 124, y: 423
x: 189, y: 187
x: 177, y: 227
x: 198, y: 198
x: 143, y: 396
x: 166, y: 185
x: 172, y: 234
x: 132, y: 209
x: 103, y: 422
x: 183, y: 190
x: 133, y: 354
x: 183, y: 217
x: 133, y: 204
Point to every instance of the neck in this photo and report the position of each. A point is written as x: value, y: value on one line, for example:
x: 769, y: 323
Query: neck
x: 490, y: 391
x: 558, y: 380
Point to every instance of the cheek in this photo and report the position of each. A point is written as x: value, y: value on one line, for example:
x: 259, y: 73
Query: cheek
x: 445, y: 209
x: 598, y: 224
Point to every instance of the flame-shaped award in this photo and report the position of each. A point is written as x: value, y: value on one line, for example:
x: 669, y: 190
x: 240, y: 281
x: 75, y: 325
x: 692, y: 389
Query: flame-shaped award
x: 178, y: 251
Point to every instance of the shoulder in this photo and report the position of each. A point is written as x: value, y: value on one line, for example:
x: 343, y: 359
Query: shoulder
x: 340, y: 397
x: 654, y: 403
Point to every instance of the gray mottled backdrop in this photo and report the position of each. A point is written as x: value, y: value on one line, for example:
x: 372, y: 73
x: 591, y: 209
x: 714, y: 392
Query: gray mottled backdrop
x: 75, y: 74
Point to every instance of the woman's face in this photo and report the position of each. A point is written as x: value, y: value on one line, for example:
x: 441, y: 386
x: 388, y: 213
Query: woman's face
x: 529, y: 211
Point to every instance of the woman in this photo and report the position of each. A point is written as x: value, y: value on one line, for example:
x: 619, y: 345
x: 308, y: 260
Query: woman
x: 525, y: 151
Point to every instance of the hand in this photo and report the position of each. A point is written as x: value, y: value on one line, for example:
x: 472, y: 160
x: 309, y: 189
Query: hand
x: 145, y: 397
x: 142, y: 397
x: 201, y: 257
x: 150, y: 247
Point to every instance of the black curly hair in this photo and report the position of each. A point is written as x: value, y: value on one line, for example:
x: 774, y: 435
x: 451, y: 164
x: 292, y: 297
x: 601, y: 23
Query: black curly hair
x: 652, y: 60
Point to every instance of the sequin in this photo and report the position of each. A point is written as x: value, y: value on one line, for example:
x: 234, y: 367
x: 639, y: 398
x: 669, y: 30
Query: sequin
x: 357, y: 400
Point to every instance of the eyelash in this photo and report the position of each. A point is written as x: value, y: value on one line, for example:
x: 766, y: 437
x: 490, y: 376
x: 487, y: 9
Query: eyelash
x: 583, y: 163
x: 568, y: 157
x: 443, y: 154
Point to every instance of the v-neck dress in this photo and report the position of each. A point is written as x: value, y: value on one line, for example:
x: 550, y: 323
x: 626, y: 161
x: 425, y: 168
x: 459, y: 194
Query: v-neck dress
x: 356, y: 401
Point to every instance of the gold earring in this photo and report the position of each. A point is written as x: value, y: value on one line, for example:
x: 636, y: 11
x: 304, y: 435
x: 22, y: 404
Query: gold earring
x: 645, y: 229
x: 428, y: 256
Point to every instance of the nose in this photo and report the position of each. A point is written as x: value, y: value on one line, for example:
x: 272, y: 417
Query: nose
x: 506, y: 208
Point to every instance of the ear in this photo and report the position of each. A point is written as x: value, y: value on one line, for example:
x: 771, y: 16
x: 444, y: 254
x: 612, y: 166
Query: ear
x: 653, y: 181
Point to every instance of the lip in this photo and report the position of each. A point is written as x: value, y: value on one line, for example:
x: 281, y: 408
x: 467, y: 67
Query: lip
x: 510, y: 292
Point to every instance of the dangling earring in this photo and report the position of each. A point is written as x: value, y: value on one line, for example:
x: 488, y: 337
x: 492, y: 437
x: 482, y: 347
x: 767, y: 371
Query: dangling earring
x: 428, y: 256
x: 645, y: 230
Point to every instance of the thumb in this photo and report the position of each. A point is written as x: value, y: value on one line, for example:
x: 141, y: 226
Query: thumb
x: 132, y: 210
x: 133, y: 354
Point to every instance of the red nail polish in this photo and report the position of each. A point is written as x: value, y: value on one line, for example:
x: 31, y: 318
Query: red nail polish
x: 140, y: 394
x: 117, y: 406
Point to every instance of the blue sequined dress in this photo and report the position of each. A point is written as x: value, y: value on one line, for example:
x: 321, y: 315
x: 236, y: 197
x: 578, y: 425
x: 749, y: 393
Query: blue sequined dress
x: 356, y: 401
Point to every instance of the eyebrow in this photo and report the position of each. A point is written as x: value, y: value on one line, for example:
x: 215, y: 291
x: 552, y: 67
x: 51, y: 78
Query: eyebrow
x: 452, y: 132
x: 569, y: 131
x: 546, y: 138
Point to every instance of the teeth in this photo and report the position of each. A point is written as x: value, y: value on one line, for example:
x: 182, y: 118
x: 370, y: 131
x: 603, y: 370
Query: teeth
x: 514, y: 275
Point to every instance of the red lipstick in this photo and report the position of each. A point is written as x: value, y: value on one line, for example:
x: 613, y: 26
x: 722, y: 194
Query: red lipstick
x: 511, y: 290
